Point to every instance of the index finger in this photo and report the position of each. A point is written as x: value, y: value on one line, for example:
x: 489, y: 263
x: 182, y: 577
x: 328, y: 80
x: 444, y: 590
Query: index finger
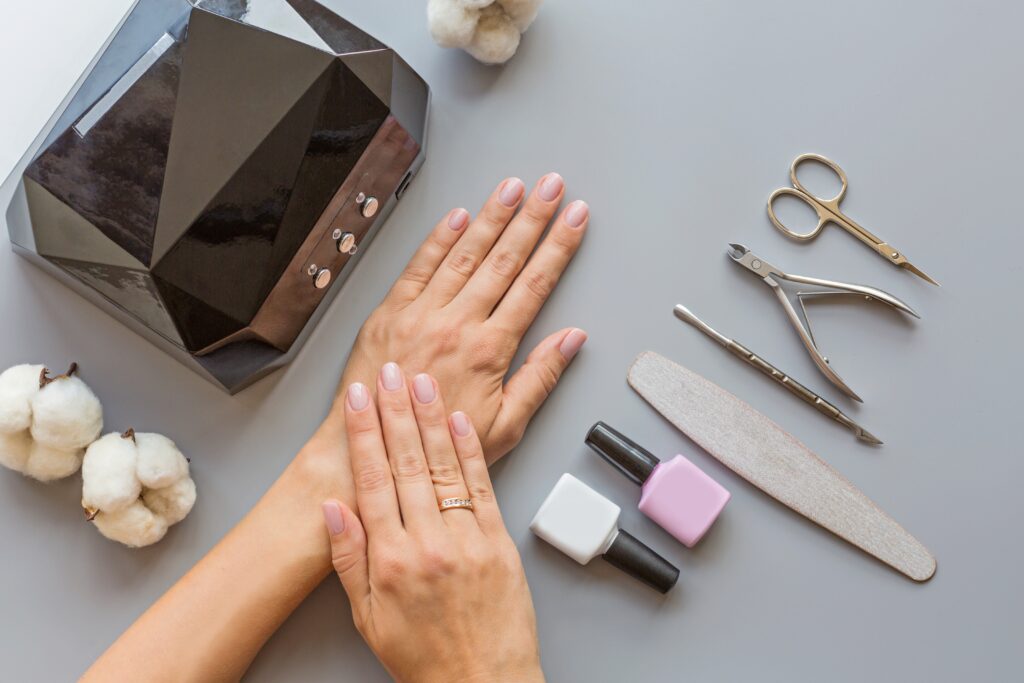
x: 375, y: 487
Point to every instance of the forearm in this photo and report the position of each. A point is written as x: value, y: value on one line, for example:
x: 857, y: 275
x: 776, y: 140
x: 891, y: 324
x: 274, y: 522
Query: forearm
x: 212, y: 622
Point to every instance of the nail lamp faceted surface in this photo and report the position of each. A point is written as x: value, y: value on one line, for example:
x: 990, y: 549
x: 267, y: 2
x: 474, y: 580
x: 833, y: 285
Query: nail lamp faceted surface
x: 196, y: 181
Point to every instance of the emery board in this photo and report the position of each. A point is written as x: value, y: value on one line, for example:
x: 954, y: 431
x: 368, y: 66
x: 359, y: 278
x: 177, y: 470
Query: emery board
x: 760, y: 451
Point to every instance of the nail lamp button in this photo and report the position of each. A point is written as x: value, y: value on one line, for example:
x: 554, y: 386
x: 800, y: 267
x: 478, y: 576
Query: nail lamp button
x: 369, y: 207
x: 346, y: 243
x: 322, y: 278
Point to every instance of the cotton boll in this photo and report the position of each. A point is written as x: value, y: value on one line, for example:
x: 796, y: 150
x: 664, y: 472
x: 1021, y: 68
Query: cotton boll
x: 109, y: 482
x: 451, y: 23
x: 522, y: 12
x: 135, y: 525
x: 17, y: 386
x: 46, y: 464
x: 15, y: 449
x: 496, y: 38
x: 66, y: 414
x: 173, y: 502
x: 160, y: 462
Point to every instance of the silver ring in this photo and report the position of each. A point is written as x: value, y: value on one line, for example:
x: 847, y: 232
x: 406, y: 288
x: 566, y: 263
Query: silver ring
x: 454, y: 503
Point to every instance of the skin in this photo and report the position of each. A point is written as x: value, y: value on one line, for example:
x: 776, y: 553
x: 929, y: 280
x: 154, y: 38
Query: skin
x: 459, y: 309
x: 429, y: 589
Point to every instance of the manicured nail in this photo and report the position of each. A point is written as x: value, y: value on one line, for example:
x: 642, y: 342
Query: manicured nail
x: 423, y: 388
x: 333, y: 517
x: 570, y: 346
x: 458, y: 219
x: 358, y: 396
x: 550, y: 187
x: 460, y: 423
x: 576, y: 214
x: 391, y: 376
x: 511, y: 192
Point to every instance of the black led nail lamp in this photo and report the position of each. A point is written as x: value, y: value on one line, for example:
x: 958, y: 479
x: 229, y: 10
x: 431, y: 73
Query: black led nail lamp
x: 213, y: 173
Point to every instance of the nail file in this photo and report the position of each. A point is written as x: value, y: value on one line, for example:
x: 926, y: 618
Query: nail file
x: 768, y: 457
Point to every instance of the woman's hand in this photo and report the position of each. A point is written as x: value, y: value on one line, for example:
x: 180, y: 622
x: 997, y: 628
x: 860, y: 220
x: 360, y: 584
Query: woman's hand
x: 438, y: 595
x: 465, y: 300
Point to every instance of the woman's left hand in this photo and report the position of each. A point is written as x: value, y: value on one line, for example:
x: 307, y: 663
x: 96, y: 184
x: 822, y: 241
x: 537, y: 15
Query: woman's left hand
x: 438, y: 595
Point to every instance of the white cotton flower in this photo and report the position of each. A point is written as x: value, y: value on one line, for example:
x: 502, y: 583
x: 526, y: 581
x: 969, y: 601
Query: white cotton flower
x: 135, y: 485
x: 135, y: 525
x: 172, y: 502
x: 15, y: 449
x: 46, y: 422
x: 109, y: 482
x: 489, y: 30
x: 160, y: 462
x: 46, y: 463
x: 17, y: 385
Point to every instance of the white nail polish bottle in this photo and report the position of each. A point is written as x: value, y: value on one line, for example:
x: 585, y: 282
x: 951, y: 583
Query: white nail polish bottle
x: 583, y: 524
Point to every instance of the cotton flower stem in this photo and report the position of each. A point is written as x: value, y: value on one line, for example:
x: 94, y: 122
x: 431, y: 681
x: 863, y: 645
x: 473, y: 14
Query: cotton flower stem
x: 90, y: 513
x: 44, y: 375
x: 129, y: 434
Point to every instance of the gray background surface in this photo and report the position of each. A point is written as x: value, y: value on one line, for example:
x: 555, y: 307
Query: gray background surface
x: 674, y: 120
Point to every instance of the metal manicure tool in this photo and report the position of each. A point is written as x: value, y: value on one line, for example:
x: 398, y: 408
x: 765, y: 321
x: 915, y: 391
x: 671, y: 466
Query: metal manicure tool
x: 794, y: 387
x: 828, y: 212
x: 771, y: 275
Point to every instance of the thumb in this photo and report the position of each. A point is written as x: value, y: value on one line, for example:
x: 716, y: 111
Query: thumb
x: 531, y: 384
x: 348, y: 552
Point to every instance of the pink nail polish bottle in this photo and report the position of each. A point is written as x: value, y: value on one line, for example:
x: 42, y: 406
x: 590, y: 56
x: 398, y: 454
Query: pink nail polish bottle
x: 676, y: 494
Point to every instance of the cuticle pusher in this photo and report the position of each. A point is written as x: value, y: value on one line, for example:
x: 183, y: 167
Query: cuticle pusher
x: 780, y: 377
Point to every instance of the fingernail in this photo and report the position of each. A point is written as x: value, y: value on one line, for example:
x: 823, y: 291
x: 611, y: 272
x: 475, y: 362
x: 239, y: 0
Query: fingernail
x: 457, y: 219
x: 358, y: 396
x: 391, y: 376
x: 511, y: 192
x: 423, y: 388
x: 550, y: 186
x: 576, y: 214
x: 460, y: 423
x: 333, y: 518
x: 570, y: 346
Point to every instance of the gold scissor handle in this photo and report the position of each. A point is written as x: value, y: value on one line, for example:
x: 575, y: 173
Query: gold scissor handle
x: 826, y: 209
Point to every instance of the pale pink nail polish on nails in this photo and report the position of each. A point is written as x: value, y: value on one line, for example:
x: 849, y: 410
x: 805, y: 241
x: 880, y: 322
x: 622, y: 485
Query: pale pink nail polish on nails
x: 576, y: 214
x: 391, y: 376
x: 460, y: 424
x: 458, y: 219
x: 358, y: 397
x: 572, y: 343
x: 333, y: 518
x: 423, y: 388
x: 511, y: 192
x: 550, y: 186
x: 676, y: 493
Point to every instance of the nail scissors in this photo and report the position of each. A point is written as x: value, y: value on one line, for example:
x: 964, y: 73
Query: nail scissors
x: 828, y: 212
x: 801, y: 323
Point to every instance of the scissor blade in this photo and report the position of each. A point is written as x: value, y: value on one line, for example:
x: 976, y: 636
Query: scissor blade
x: 867, y: 437
x: 918, y: 272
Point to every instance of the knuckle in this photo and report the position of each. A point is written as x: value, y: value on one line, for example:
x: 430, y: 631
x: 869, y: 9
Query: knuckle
x: 536, y: 214
x: 445, y: 473
x: 461, y: 262
x: 562, y: 242
x: 418, y: 275
x: 390, y: 572
x: 504, y: 263
x: 409, y: 465
x: 539, y: 283
x: 548, y: 377
x: 434, y: 562
x: 481, y: 493
x: 371, y: 478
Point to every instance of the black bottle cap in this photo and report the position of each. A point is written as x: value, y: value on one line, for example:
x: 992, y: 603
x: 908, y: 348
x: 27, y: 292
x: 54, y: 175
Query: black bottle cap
x: 640, y: 562
x: 632, y: 460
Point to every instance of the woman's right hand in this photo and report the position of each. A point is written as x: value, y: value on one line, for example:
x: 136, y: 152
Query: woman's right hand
x: 438, y: 595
